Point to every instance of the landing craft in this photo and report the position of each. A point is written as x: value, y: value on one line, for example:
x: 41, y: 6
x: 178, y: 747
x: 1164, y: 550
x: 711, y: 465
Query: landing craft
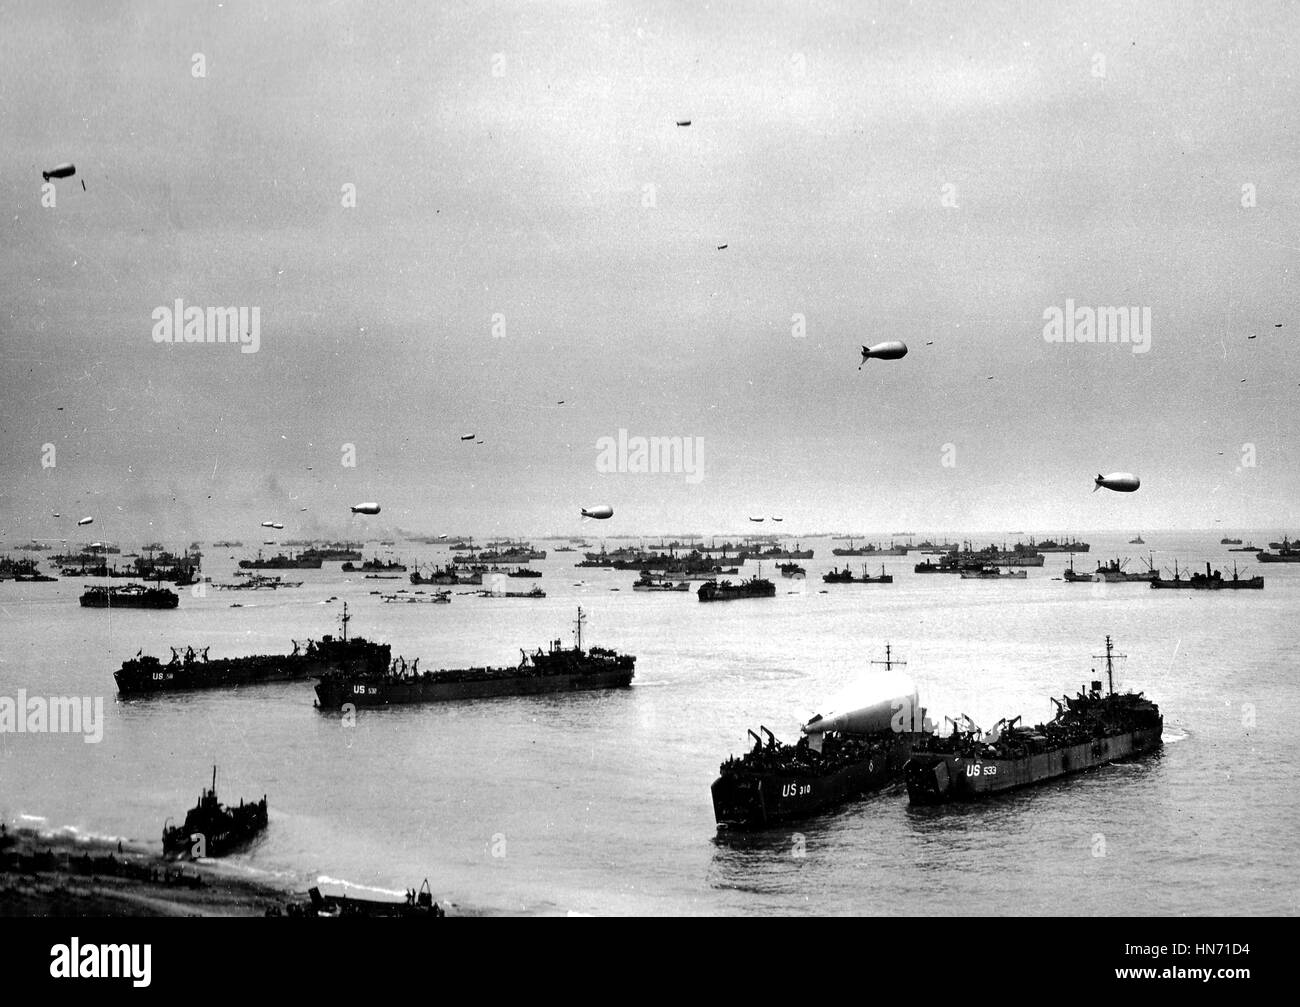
x: 892, y: 350
x: 365, y: 508
x: 775, y: 518
x: 59, y: 171
x: 683, y: 122
x: 86, y: 520
x: 1120, y: 482
x: 600, y: 513
x: 757, y: 520
x: 467, y: 437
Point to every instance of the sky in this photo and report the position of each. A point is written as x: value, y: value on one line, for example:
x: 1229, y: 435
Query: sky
x: 451, y: 217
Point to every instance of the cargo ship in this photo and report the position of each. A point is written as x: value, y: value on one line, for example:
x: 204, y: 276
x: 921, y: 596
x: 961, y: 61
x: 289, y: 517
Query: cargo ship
x: 303, y: 561
x: 129, y: 596
x: 991, y: 573
x: 1051, y: 545
x: 334, y: 551
x: 1112, y: 572
x: 725, y: 590
x: 375, y: 565
x: 1089, y: 730
x: 780, y: 552
x: 558, y: 669
x: 144, y: 674
x: 791, y: 570
x: 949, y: 564
x: 22, y: 570
x: 1229, y: 541
x: 446, y: 575
x: 1210, y: 581
x: 845, y: 576
x: 838, y: 758
x: 508, y: 554
x: 211, y: 829
x: 871, y: 550
x: 647, y: 582
x: 1287, y: 552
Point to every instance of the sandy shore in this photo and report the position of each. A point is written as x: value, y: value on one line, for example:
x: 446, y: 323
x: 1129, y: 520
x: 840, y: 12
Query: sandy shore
x: 62, y: 875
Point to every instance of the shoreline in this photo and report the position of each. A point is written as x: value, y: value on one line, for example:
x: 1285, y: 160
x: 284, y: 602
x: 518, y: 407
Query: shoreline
x: 61, y: 875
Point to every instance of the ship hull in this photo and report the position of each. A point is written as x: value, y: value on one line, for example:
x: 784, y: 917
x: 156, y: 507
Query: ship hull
x: 755, y: 800
x: 128, y: 601
x: 937, y: 778
x: 1244, y: 584
x: 333, y: 694
x: 225, y: 675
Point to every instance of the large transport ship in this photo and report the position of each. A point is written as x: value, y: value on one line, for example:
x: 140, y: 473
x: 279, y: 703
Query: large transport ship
x: 1210, y: 581
x: 1051, y: 545
x: 1090, y: 730
x: 146, y: 674
x: 303, y: 561
x: 129, y: 596
x: 839, y: 757
x: 725, y: 590
x: 557, y: 669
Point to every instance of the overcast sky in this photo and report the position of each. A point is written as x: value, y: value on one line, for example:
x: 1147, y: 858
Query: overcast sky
x: 884, y: 171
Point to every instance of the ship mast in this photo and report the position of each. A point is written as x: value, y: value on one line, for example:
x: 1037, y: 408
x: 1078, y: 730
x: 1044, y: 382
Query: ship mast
x: 889, y: 661
x: 577, y: 627
x: 345, y: 619
x: 1110, y: 670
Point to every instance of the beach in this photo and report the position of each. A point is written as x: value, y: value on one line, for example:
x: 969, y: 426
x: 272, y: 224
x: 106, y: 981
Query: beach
x: 69, y: 876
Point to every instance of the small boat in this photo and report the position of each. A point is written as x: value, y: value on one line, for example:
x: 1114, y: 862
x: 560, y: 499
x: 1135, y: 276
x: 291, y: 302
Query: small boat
x: 417, y: 904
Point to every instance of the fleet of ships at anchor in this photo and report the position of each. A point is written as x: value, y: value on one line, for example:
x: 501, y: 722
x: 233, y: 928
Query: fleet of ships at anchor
x: 838, y: 757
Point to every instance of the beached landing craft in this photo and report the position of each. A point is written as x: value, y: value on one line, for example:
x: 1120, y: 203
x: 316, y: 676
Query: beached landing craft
x: 1089, y: 730
x: 417, y: 904
x: 211, y: 829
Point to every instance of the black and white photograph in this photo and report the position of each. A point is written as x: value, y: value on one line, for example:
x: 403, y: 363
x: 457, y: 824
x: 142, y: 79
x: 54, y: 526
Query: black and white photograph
x: 650, y: 459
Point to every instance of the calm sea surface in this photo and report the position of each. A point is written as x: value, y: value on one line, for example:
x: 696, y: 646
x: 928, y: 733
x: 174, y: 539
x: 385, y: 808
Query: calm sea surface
x: 599, y: 803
